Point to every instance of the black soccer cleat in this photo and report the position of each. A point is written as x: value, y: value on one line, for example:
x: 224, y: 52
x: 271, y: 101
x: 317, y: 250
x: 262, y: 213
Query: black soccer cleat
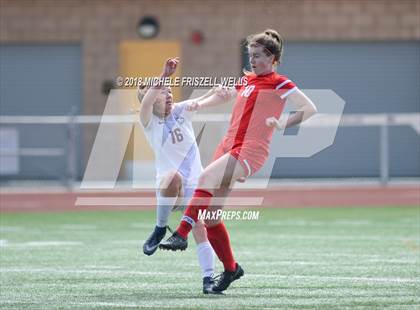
x: 227, y: 277
x: 174, y: 243
x: 152, y: 243
x: 208, y: 283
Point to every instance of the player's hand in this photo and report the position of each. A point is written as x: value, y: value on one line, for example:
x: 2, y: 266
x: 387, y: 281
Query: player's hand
x: 241, y: 180
x: 223, y: 92
x: 170, y: 66
x: 274, y: 122
x: 192, y: 106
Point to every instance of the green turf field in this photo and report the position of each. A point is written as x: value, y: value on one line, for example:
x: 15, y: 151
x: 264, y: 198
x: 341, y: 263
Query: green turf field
x: 293, y: 258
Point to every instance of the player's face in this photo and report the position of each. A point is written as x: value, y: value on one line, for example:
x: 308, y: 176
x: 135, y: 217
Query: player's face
x: 164, y: 103
x: 259, y: 61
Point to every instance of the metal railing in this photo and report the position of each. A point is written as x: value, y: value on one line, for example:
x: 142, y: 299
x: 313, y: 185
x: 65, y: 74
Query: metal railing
x: 383, y: 121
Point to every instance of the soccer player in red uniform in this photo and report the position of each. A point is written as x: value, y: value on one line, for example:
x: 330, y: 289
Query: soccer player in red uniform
x: 245, y: 147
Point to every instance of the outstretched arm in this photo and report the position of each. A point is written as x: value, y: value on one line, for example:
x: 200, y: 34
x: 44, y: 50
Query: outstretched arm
x: 206, y: 95
x: 216, y: 96
x: 149, y: 98
x: 305, y: 109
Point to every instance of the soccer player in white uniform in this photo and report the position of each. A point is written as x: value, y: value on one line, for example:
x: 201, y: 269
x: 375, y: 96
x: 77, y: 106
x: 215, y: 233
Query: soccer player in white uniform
x: 169, y: 131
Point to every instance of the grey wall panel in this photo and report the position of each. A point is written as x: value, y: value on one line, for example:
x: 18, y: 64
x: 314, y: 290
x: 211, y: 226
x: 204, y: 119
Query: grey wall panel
x: 404, y: 152
x: 345, y: 158
x: 372, y: 77
x: 41, y: 80
x: 376, y: 77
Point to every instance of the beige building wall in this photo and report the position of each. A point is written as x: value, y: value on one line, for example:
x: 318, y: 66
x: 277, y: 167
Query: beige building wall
x: 100, y: 25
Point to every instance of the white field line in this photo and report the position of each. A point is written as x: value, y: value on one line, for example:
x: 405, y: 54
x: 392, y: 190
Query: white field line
x: 392, y: 261
x: 10, y: 228
x: 94, y: 267
x: 237, y: 303
x: 367, y: 279
x: 89, y: 271
x: 300, y: 254
x: 161, y: 288
x: 342, y: 223
x: 233, y: 304
x: 86, y: 304
x: 142, y: 225
x: 303, y: 222
x: 346, y: 265
x: 101, y: 272
x: 129, y: 242
x: 352, y: 222
x: 78, y: 227
x: 284, y: 289
x: 183, y: 274
x: 360, y: 264
x: 101, y: 285
x: 329, y: 237
x: 110, y: 304
x: 41, y: 243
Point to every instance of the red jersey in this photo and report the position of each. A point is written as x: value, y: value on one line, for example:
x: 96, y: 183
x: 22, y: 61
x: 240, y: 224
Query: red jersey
x: 262, y: 97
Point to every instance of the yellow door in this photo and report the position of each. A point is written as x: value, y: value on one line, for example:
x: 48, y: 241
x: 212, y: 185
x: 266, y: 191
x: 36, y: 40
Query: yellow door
x: 144, y: 59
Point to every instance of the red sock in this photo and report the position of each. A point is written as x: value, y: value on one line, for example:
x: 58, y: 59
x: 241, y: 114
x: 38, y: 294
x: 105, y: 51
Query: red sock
x: 200, y: 201
x: 219, y: 240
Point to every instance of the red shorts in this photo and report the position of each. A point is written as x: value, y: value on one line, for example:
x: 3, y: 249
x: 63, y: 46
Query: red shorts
x: 251, y: 156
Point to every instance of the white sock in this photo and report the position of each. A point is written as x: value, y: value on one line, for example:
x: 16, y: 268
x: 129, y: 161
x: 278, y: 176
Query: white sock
x: 163, y: 209
x: 206, y: 258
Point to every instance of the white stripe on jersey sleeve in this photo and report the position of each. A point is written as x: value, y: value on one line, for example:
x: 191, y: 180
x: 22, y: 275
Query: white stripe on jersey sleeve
x: 282, y: 84
x: 292, y: 90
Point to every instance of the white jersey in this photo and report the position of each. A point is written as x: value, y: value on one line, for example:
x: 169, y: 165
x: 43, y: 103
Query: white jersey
x: 173, y: 142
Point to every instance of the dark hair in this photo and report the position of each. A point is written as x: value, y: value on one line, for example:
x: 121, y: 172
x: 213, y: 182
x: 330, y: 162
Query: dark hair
x: 270, y: 40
